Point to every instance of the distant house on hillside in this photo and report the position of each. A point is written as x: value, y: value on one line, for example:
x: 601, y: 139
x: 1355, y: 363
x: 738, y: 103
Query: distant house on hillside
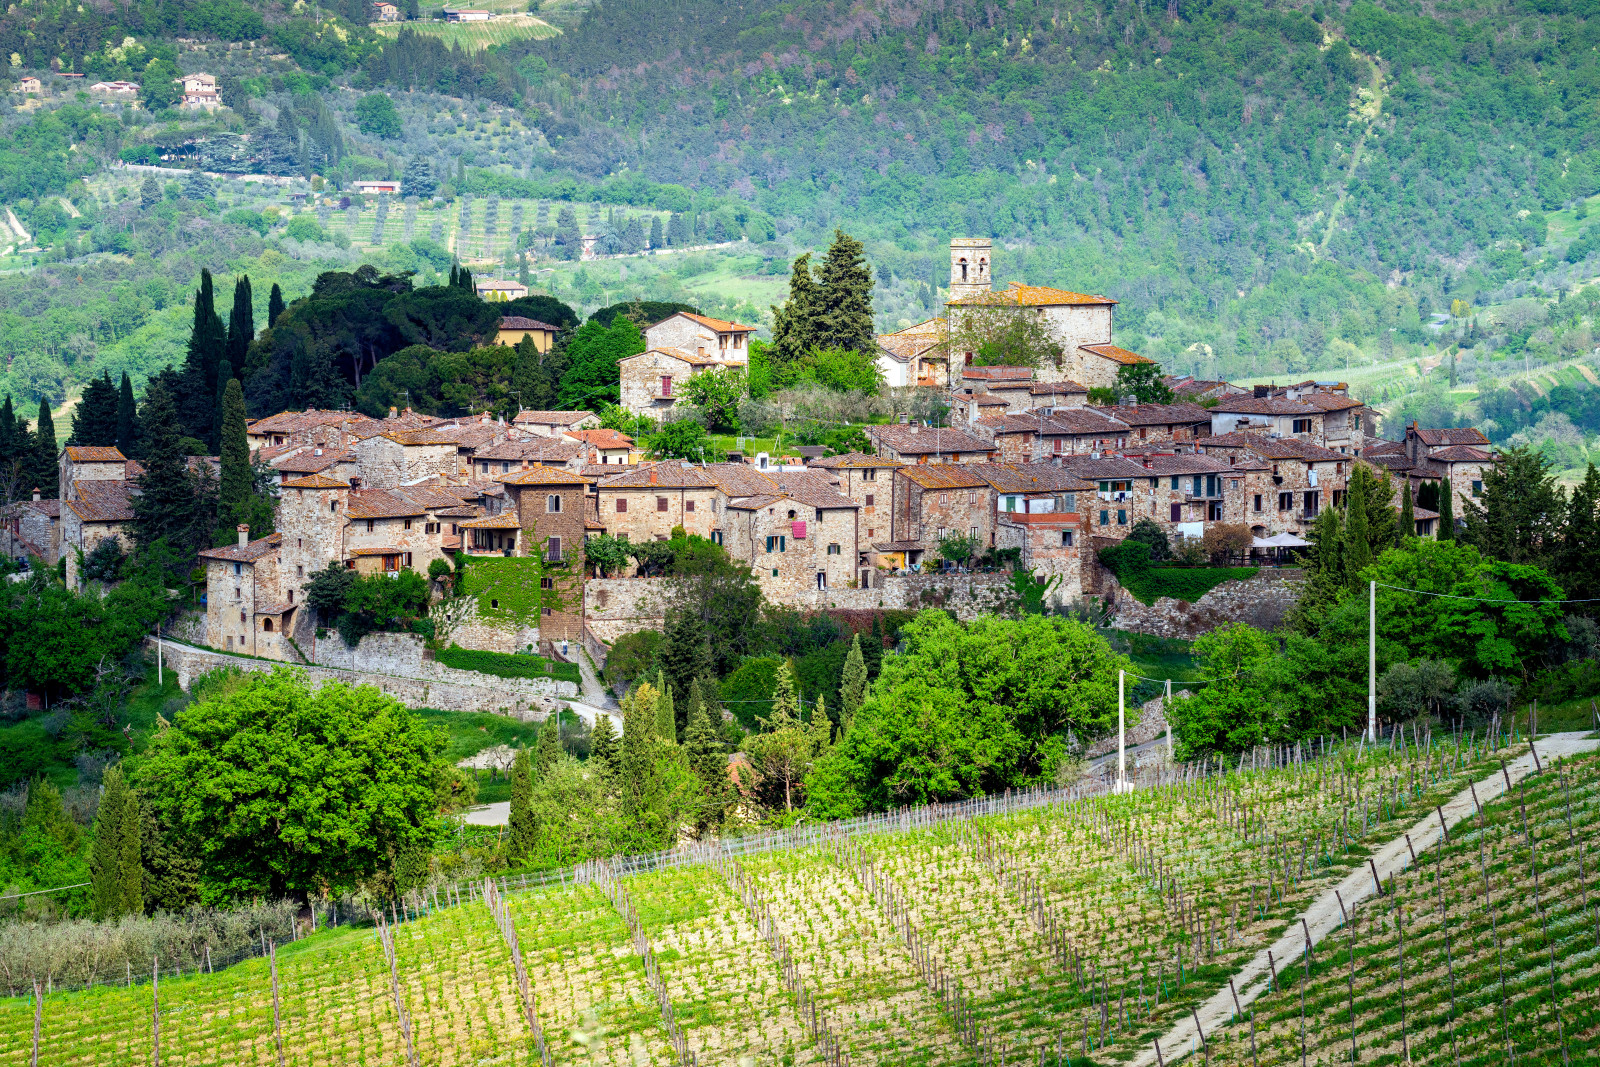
x: 496, y: 289
x: 372, y: 188
x: 118, y: 88
x: 200, y: 92
x: 461, y: 14
x: 514, y: 328
x: 385, y: 13
x: 30, y: 85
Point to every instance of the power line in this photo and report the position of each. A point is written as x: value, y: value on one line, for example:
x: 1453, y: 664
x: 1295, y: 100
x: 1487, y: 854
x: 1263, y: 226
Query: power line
x: 36, y: 892
x: 1484, y: 599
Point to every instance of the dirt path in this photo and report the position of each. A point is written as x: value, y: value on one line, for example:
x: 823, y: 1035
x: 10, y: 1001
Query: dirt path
x: 1371, y: 109
x: 1323, y: 917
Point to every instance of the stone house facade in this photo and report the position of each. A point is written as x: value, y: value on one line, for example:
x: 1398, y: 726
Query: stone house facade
x: 402, y: 457
x: 244, y: 612
x: 803, y: 537
x: 554, y: 423
x: 869, y: 482
x: 913, y: 444
x: 702, y: 337
x: 548, y: 505
x: 1052, y: 545
x: 33, y: 528
x: 96, y: 503
x: 1457, y: 455
x: 1322, y: 417
x: 914, y: 356
x: 933, y: 501
x: 653, y: 381
x: 1300, y: 478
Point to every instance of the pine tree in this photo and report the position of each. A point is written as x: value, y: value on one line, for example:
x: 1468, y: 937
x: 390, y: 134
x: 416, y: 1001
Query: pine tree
x: 704, y: 751
x: 166, y: 505
x: 46, y: 454
x: 418, y: 180
x: 234, y: 492
x: 275, y: 304
x: 656, y: 236
x: 149, y: 193
x: 127, y: 419
x: 685, y: 655
x: 844, y: 309
x: 852, y: 685
x: 94, y: 423
x: 241, y: 324
x: 603, y: 750
x: 1357, y: 549
x: 548, y: 752
x: 523, y: 830
x: 666, y: 717
x: 116, y: 875
x: 1408, y: 522
x: 1447, y: 512
x: 794, y: 324
x: 821, y: 725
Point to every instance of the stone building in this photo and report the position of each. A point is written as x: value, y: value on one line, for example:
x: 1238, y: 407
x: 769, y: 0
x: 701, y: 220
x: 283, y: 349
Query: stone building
x: 910, y: 443
x: 33, y: 530
x: 244, y: 610
x: 915, y: 356
x: 1125, y: 492
x: 329, y: 429
x: 607, y: 447
x: 1329, y: 419
x: 514, y: 329
x: 1457, y: 455
x: 96, y: 503
x: 1036, y: 435
x: 555, y: 423
x: 653, y: 381
x: 508, y: 455
x: 548, y: 505
x: 1051, y: 545
x: 645, y: 504
x: 1304, y: 477
x: 931, y: 502
x: 400, y: 457
x: 869, y: 481
x: 802, y: 537
x: 702, y: 337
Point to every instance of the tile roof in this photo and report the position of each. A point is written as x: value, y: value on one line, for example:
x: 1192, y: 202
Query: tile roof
x: 1077, y: 421
x: 292, y: 421
x: 1030, y: 478
x: 1245, y: 404
x: 133, y: 470
x: 473, y: 436
x: 926, y: 440
x: 1383, y: 448
x: 102, y: 501
x: 1021, y: 295
x: 683, y: 354
x: 459, y: 511
x: 315, y: 481
x: 1109, y: 467
x: 533, y: 449
x: 602, y: 438
x: 1461, y: 454
x: 51, y: 508
x: 1163, y: 464
x: 1192, y: 386
x: 898, y: 546
x: 1326, y: 401
x: 1272, y: 447
x: 605, y: 470
x: 429, y: 496
x: 424, y: 436
x: 554, y: 418
x: 378, y: 550
x: 506, y: 520
x: 904, y: 345
x: 998, y: 374
x: 1156, y: 414
x: 1056, y: 388
x: 854, y: 459
x: 380, y: 504
x: 719, y: 325
x: 248, y: 554
x: 522, y: 322
x: 740, y: 479
x: 668, y: 474
x: 309, y: 462
x: 1117, y: 355
x: 1457, y: 435
x: 813, y: 489
x: 945, y: 475
x: 95, y: 454
x: 542, y: 475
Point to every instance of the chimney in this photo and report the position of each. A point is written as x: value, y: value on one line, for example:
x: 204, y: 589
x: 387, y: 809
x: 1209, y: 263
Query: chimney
x: 244, y: 534
x: 36, y: 494
x: 392, y: 412
x: 524, y: 462
x: 653, y: 476
x: 1262, y: 392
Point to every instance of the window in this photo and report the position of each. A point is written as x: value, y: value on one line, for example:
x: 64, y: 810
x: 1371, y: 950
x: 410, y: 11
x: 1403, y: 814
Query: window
x: 1105, y: 517
x: 871, y: 532
x: 291, y: 596
x: 1066, y: 538
x: 494, y: 603
x: 833, y: 550
x: 1177, y: 513
x: 1214, y: 511
x: 1213, y: 485
x: 333, y: 505
x: 688, y: 506
x: 544, y: 611
x: 1011, y: 503
x: 944, y: 498
x: 552, y: 504
x: 230, y: 640
x: 1302, y: 426
x: 547, y: 583
x: 774, y: 572
x: 1195, y: 485
x: 972, y: 496
x: 666, y: 385
x: 241, y: 616
x: 870, y: 499
x: 371, y: 523
x: 661, y: 503
x: 300, y: 571
x: 1285, y: 501
x: 505, y: 466
x: 1477, y: 487
x: 266, y: 625
x: 1235, y: 482
x: 716, y: 537
x: 238, y: 568
x: 822, y: 580
x: 1058, y: 444
x: 1141, y: 433
x: 772, y: 542
x: 407, y: 560
x: 622, y: 506
x: 869, y: 475
x: 408, y: 524
x: 553, y: 553
x: 1122, y: 516
x: 299, y: 542
x: 1258, y: 501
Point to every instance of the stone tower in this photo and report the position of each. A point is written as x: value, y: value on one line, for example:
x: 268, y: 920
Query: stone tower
x: 969, y: 266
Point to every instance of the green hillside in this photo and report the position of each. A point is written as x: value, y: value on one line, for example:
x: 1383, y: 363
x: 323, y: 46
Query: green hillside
x: 1087, y: 927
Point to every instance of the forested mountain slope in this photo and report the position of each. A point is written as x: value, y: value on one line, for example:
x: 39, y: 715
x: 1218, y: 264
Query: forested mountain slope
x: 1179, y: 156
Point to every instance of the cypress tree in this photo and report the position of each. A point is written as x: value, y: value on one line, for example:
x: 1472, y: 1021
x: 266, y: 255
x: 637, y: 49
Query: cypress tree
x: 46, y: 454
x: 548, y: 751
x: 1357, y: 549
x: 127, y: 418
x: 464, y: 280
x: 794, y: 324
x: 523, y: 830
x: 275, y: 305
x: 639, y: 785
x: 852, y: 685
x: 821, y: 725
x: 241, y: 323
x: 1447, y: 512
x: 785, y: 701
x: 166, y: 504
x: 707, y: 760
x: 234, y: 489
x: 666, y: 717
x: 11, y: 456
x: 224, y: 376
x: 94, y: 423
x: 872, y: 651
x: 130, y: 867
x: 1407, y: 525
x: 685, y: 656
x: 656, y: 236
x: 207, y: 341
x: 106, y: 875
x: 844, y: 310
x: 603, y: 746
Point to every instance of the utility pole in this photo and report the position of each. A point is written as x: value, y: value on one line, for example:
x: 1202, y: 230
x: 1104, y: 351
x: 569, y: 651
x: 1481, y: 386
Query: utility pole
x: 1372, y: 662
x: 1122, y: 724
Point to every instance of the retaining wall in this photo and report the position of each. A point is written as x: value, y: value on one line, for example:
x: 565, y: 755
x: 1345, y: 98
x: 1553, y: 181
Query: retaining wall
x: 1262, y: 601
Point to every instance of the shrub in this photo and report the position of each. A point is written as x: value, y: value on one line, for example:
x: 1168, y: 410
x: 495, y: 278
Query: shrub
x: 632, y: 656
x: 508, y: 666
x: 1130, y: 562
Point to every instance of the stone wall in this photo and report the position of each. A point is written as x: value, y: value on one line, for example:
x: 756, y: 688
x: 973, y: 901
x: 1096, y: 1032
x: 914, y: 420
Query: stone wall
x: 1262, y: 601
x: 1152, y: 723
x: 617, y: 606
x: 432, y: 685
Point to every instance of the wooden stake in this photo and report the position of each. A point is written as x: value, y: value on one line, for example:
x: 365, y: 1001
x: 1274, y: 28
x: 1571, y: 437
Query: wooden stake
x: 155, y: 1011
x: 38, y: 1017
x: 277, y: 1022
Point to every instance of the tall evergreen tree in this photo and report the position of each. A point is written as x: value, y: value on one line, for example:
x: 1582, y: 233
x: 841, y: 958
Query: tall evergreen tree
x: 656, y: 236
x: 234, y: 490
x: 16, y: 458
x: 116, y: 875
x: 241, y: 323
x: 1447, y: 512
x: 127, y: 418
x: 852, y: 685
x: 844, y: 309
x: 1407, y: 526
x: 275, y: 304
x: 603, y: 751
x: 1579, y: 559
x: 224, y: 376
x: 785, y: 699
x: 94, y: 423
x: 166, y: 505
x: 684, y: 656
x: 641, y: 787
x: 207, y: 340
x: 1516, y: 519
x: 548, y: 752
x: 704, y: 751
x: 1357, y: 548
x: 417, y: 179
x: 794, y: 325
x: 46, y: 454
x: 523, y: 827
x: 666, y: 716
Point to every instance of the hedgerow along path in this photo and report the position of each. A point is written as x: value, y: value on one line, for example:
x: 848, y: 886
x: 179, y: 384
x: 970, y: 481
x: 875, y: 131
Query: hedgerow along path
x: 1069, y: 930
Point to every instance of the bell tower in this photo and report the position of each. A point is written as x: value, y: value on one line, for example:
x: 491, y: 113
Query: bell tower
x: 969, y: 266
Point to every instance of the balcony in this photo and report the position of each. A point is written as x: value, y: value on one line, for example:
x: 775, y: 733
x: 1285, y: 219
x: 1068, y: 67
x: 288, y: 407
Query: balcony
x: 1200, y: 498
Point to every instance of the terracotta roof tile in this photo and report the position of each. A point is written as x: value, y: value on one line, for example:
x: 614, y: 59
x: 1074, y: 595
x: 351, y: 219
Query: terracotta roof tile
x: 378, y: 550
x: 719, y: 325
x: 424, y: 436
x: 1461, y: 454
x: 248, y: 554
x: 1457, y: 435
x: 534, y: 449
x: 740, y: 479
x: 541, y: 475
x: 102, y: 501
x: 1056, y: 388
x: 1157, y: 414
x: 998, y: 374
x: 813, y: 489
x: 553, y: 418
x: 1034, y: 296
x: 95, y: 454
x: 506, y: 520
x: 309, y: 462
x: 1030, y: 478
x: 522, y: 322
x: 1163, y: 464
x: 1117, y: 355
x: 604, y: 438
x: 1108, y: 467
x: 854, y: 459
x: 1272, y: 447
x: 51, y: 508
x: 944, y: 475
x: 315, y: 481
x: 670, y: 474
x: 926, y: 440
x: 381, y: 504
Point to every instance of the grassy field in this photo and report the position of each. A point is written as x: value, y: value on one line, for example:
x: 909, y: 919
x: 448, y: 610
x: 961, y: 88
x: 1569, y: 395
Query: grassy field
x: 1078, y: 929
x: 476, y: 36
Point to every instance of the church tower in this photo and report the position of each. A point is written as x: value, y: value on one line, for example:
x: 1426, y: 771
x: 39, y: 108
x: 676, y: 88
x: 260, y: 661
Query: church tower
x: 969, y: 266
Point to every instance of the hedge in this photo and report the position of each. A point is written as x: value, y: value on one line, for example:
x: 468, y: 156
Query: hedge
x: 1149, y: 582
x: 508, y: 666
